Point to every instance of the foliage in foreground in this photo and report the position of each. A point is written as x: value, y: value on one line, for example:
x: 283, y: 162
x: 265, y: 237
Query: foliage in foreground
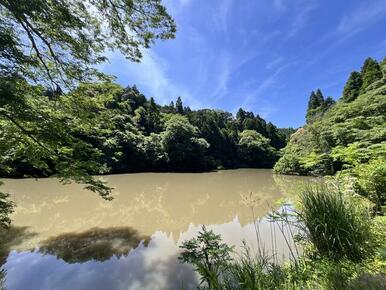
x: 60, y: 42
x: 6, y: 209
x: 337, y: 224
x: 342, y: 246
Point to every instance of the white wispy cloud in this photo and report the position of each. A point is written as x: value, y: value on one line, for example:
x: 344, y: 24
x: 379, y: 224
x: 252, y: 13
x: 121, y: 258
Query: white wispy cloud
x: 151, y: 75
x: 274, y: 63
x: 224, y: 73
x: 302, y: 10
x: 185, y: 2
x: 362, y: 17
x: 355, y: 22
x: 221, y: 14
x: 253, y: 100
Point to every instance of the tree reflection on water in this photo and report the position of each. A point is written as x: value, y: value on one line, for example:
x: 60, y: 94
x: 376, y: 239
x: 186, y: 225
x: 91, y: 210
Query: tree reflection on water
x: 95, y: 244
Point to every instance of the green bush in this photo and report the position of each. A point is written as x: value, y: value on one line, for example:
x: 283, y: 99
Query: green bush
x: 209, y: 256
x: 338, y: 225
x: 371, y: 181
x: 218, y: 271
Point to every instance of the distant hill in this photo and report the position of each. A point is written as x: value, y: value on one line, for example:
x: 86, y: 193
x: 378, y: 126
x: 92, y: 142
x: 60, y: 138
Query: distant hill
x: 344, y: 134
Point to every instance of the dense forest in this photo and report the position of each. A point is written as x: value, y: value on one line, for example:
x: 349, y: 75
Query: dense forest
x: 130, y: 133
x: 346, y: 138
x: 343, y: 135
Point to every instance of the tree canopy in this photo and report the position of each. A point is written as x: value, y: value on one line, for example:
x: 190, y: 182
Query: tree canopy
x: 371, y: 72
x: 60, y: 42
x: 317, y: 105
x: 109, y: 129
x: 352, y: 87
x: 48, y: 50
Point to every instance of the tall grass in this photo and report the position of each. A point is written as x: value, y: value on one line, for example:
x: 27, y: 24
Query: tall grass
x: 334, y: 224
x: 337, y: 224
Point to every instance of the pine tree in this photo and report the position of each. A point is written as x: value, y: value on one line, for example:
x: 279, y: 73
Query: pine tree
x: 171, y: 107
x: 313, y: 101
x: 353, y: 87
x: 179, y: 106
x: 315, y: 105
x: 319, y: 97
x: 328, y: 102
x: 153, y: 117
x: 371, y: 72
x: 240, y: 116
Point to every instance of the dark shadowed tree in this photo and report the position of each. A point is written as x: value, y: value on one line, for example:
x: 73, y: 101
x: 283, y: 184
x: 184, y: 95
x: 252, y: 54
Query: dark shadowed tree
x: 313, y: 101
x: 371, y: 72
x: 352, y: 87
x: 153, y: 117
x: 240, y: 117
x: 328, y: 102
x: 319, y: 97
x: 179, y: 106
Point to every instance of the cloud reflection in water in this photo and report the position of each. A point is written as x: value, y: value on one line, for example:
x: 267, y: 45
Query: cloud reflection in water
x: 148, y: 266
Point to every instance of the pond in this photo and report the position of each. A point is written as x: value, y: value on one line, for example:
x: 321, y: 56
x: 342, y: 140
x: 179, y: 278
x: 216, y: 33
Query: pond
x: 64, y: 237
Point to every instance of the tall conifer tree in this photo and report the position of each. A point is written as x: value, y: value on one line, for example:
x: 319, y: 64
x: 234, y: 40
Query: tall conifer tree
x: 353, y: 87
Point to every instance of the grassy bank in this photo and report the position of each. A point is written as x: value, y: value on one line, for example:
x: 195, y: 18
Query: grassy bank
x: 342, y: 241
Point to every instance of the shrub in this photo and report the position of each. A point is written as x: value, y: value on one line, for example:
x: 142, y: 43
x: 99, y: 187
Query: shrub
x: 338, y: 225
x: 209, y: 256
x: 371, y: 181
x: 211, y: 259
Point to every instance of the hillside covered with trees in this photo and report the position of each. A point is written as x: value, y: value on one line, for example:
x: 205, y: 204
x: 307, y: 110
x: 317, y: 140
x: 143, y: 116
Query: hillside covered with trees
x: 126, y: 132
x: 347, y: 137
x: 342, y: 135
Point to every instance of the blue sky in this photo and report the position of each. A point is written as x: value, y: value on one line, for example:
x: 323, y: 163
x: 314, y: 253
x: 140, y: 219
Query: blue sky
x: 263, y: 55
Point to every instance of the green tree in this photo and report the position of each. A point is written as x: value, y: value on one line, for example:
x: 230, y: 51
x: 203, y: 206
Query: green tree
x: 352, y: 87
x: 140, y: 118
x: 133, y: 97
x: 328, y: 103
x: 153, y: 117
x: 313, y: 101
x: 186, y: 151
x: 46, y: 133
x: 255, y: 150
x: 56, y: 44
x: 240, y: 117
x: 319, y: 97
x: 59, y: 42
x: 277, y: 139
x: 371, y: 72
x: 209, y: 255
x: 156, y: 156
x: 179, y: 106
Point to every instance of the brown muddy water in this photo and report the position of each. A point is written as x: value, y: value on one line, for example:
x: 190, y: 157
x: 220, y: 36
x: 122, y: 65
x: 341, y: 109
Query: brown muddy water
x: 66, y: 238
